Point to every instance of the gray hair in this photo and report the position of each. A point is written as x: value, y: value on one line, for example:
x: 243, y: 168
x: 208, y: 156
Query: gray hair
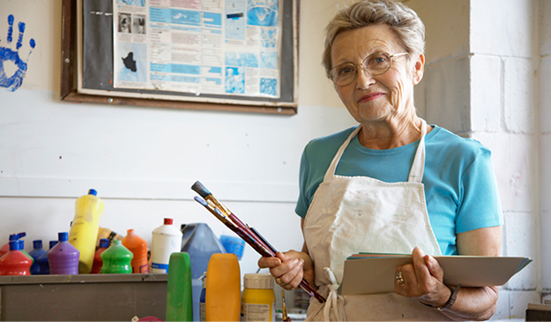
x: 402, y: 20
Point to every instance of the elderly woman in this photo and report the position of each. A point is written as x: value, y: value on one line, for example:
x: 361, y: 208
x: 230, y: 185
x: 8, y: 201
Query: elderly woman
x: 393, y: 184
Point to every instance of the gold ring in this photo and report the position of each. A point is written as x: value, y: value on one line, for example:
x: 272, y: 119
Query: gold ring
x: 399, y: 277
x: 278, y: 281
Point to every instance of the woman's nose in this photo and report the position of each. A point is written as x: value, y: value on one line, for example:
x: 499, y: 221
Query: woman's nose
x: 364, y: 78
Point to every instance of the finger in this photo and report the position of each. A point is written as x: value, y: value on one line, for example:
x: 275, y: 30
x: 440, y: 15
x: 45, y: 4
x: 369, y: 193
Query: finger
x: 421, y: 270
x: 21, y: 26
x: 10, y: 28
x: 294, y: 283
x: 268, y: 262
x: 434, y: 267
x: 287, y: 270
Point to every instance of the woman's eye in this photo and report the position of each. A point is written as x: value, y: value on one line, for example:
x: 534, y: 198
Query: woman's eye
x: 346, y: 70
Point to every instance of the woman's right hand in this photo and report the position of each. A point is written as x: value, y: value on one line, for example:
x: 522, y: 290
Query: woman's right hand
x: 290, y: 267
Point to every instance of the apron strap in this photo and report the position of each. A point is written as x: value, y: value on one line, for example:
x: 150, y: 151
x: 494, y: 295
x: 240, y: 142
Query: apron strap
x: 416, y: 172
x: 333, y: 167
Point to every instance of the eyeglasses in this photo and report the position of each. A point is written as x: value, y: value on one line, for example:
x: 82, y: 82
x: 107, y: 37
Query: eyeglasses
x: 375, y: 64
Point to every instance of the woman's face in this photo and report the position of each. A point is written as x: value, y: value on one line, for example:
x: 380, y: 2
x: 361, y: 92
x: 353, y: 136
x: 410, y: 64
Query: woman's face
x: 375, y: 98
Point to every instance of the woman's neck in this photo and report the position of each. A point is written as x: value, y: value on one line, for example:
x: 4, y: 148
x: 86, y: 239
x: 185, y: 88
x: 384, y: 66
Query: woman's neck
x: 390, y: 133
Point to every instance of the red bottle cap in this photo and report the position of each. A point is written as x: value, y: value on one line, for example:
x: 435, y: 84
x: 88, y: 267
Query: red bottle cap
x: 168, y: 221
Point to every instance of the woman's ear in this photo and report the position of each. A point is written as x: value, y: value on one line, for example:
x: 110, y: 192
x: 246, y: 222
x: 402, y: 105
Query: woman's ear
x: 418, y: 69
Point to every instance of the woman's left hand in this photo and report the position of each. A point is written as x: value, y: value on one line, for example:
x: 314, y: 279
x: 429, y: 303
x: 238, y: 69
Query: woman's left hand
x: 423, y: 279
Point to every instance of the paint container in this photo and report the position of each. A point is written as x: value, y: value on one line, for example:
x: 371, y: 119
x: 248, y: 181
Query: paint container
x: 84, y: 230
x: 223, y: 289
x: 200, y: 243
x: 5, y: 248
x: 63, y: 257
x: 117, y: 259
x: 166, y: 240
x: 14, y: 262
x: 138, y: 247
x: 35, y: 254
x: 202, y: 298
x: 98, y: 262
x: 178, y: 296
x: 43, y: 260
x: 258, y: 301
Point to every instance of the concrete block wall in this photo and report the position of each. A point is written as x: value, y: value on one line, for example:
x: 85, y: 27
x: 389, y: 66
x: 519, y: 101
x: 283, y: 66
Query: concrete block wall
x: 487, y: 66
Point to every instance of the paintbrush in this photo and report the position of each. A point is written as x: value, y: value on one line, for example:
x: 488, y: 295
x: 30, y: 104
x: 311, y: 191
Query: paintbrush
x: 209, y: 197
x: 258, y: 242
x: 284, y: 307
x: 243, y: 234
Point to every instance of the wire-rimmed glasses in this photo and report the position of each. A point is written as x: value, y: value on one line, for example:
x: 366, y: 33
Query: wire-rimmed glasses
x: 375, y: 64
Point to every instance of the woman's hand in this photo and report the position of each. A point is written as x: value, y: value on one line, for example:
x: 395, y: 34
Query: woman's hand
x: 289, y: 268
x: 423, y: 279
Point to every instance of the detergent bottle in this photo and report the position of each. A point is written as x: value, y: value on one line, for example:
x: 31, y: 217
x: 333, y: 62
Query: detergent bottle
x: 35, y: 254
x: 14, y: 262
x: 84, y: 230
x: 138, y: 247
x: 63, y: 257
x: 98, y: 262
x: 43, y: 260
x: 117, y: 259
x: 166, y: 240
x: 200, y: 243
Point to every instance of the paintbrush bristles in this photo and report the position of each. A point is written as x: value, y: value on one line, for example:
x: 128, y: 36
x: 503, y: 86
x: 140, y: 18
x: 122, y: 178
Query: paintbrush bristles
x: 200, y: 189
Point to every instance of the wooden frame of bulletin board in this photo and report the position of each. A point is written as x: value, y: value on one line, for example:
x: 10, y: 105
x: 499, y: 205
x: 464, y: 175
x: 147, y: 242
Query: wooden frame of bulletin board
x: 75, y: 80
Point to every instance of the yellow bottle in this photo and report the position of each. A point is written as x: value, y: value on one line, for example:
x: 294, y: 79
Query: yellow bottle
x: 223, y: 290
x: 258, y: 302
x: 84, y: 230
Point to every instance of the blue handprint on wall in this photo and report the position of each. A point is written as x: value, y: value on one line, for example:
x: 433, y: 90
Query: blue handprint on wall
x: 9, y: 55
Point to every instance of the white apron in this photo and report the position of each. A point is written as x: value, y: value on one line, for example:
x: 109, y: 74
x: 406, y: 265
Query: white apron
x: 349, y: 215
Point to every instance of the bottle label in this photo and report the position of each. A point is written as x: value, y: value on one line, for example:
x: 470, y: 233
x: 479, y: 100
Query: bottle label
x: 256, y: 312
x: 159, y: 268
x: 202, y: 316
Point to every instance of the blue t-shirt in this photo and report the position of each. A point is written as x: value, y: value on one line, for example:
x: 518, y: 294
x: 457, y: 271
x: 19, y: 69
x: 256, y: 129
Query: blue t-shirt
x: 460, y: 187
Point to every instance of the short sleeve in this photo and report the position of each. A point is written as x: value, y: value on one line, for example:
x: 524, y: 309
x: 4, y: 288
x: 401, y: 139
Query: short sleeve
x: 303, y: 199
x: 480, y: 206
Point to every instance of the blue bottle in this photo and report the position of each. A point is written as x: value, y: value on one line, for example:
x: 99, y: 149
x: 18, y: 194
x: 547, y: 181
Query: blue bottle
x: 35, y: 254
x: 43, y: 260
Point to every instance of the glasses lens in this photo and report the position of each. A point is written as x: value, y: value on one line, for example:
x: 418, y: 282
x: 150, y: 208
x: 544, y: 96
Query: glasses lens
x: 377, y: 64
x: 343, y: 74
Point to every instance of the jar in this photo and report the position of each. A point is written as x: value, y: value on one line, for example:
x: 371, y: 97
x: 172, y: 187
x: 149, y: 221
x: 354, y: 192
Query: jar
x: 258, y: 301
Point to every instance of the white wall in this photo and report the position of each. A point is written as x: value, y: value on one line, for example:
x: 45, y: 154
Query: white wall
x: 481, y: 82
x: 143, y: 161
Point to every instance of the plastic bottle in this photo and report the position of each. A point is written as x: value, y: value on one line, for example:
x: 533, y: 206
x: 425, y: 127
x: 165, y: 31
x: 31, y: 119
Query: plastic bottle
x: 98, y: 262
x: 200, y: 243
x: 14, y: 262
x: 35, y: 254
x: 138, y: 247
x: 178, y: 296
x: 84, y: 230
x: 6, y: 247
x: 223, y: 291
x: 108, y: 234
x: 233, y: 244
x: 117, y: 259
x: 202, y: 300
x: 166, y: 240
x: 63, y: 257
x: 258, y: 301
x: 43, y: 260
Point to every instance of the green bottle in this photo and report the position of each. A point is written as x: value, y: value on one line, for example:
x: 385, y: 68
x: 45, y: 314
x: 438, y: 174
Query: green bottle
x: 178, y: 296
x: 117, y: 259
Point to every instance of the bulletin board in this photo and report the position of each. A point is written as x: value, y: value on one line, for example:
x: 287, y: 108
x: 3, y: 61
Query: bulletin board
x: 91, y: 74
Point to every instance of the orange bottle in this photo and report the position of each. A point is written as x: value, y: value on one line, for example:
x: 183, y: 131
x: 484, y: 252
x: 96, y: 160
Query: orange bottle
x: 138, y: 247
x: 98, y: 262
